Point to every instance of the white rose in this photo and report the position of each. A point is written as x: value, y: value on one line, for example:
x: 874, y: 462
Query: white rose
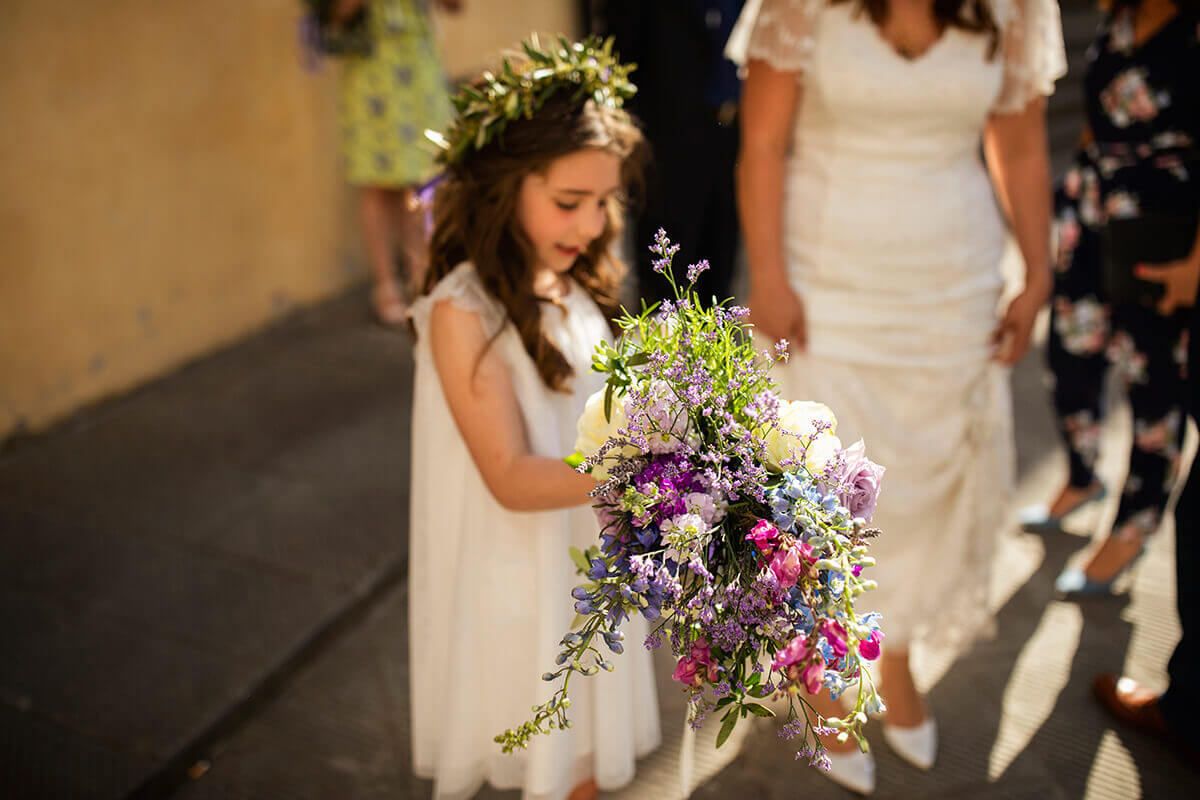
x: 593, y: 429
x: 798, y: 422
x: 822, y: 449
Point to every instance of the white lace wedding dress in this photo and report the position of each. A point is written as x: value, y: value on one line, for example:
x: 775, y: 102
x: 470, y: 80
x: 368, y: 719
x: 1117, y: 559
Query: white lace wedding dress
x: 893, y: 240
x: 489, y: 589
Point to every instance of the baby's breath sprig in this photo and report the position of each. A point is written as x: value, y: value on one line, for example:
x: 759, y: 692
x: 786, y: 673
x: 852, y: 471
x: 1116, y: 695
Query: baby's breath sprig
x: 519, y: 90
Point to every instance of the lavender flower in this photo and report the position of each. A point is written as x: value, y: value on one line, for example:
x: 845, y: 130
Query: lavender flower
x: 696, y: 270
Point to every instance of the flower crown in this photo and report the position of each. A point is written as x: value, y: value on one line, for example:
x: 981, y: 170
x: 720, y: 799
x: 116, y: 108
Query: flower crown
x: 484, y: 111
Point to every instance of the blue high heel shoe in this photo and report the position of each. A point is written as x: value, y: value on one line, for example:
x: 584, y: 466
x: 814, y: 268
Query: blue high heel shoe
x: 1038, y: 519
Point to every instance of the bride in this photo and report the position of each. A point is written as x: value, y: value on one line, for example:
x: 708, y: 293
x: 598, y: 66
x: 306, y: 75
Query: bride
x: 874, y: 237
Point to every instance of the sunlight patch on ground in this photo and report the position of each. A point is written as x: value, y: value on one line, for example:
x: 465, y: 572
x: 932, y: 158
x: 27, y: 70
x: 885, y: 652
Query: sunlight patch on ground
x: 1042, y: 670
x: 659, y: 774
x: 1114, y: 773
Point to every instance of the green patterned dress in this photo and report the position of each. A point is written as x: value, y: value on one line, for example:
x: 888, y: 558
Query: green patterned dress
x: 390, y: 97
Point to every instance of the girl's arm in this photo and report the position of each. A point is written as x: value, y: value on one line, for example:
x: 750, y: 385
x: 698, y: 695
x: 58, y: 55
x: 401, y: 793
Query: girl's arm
x: 479, y: 392
x: 769, y: 100
x: 1019, y: 162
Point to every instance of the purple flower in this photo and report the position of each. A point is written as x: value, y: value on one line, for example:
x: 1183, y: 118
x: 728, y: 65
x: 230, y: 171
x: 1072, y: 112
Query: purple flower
x: 858, y: 483
x: 792, y: 729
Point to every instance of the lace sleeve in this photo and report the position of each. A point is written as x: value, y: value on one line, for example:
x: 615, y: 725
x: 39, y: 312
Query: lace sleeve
x: 1032, y: 49
x: 779, y: 32
x: 463, y: 288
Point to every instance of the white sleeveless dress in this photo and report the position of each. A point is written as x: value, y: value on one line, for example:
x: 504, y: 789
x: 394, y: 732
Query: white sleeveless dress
x: 893, y: 240
x: 489, y: 589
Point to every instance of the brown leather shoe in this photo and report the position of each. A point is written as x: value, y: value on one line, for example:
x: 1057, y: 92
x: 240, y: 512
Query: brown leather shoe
x: 1137, y: 707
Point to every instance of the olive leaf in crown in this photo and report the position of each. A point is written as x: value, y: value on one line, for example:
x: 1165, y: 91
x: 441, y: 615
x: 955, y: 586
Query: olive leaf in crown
x: 484, y: 110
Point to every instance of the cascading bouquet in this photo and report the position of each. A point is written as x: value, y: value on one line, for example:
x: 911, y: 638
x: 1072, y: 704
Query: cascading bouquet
x: 734, y: 520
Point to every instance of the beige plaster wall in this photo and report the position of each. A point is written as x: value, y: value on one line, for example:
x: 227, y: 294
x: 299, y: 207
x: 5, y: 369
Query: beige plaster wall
x: 471, y: 39
x: 169, y: 182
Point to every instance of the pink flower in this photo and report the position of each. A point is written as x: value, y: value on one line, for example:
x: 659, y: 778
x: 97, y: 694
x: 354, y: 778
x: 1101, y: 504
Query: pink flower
x: 685, y: 672
x: 696, y: 665
x: 869, y: 648
x: 796, y: 651
x: 801, y: 663
x: 763, y: 534
x: 835, y: 634
x: 814, y: 674
x: 787, y: 566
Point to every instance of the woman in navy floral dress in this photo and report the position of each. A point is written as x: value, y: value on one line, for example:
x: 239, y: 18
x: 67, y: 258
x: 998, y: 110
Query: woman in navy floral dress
x: 1140, y: 157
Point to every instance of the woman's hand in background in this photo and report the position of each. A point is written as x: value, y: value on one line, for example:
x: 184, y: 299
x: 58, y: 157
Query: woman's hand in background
x: 1013, y: 334
x: 1179, y: 278
x: 777, y: 313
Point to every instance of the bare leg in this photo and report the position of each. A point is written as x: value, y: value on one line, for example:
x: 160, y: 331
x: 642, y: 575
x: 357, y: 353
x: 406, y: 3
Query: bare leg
x: 1070, y: 497
x: 1115, y: 553
x: 410, y: 222
x: 905, y: 709
x: 387, y: 299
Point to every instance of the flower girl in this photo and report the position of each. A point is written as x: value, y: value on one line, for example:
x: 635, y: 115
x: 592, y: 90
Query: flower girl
x: 520, y: 289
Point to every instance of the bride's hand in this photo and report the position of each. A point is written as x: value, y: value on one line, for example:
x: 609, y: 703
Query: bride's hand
x: 778, y: 313
x: 1011, y: 337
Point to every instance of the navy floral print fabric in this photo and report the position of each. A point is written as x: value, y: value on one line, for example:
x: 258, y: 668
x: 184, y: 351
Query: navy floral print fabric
x: 1140, y: 155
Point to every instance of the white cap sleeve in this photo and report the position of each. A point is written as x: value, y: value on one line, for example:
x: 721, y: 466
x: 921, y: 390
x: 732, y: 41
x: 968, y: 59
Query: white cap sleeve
x: 779, y: 32
x: 462, y: 288
x: 1031, y: 45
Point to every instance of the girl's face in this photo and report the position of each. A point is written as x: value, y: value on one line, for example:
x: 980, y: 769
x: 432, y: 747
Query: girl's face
x: 565, y: 208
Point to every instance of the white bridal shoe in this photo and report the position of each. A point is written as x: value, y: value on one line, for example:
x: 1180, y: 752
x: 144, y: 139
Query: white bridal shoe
x: 854, y: 770
x: 916, y: 745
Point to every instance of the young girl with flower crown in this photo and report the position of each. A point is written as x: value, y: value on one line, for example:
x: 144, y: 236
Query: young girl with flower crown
x: 520, y: 289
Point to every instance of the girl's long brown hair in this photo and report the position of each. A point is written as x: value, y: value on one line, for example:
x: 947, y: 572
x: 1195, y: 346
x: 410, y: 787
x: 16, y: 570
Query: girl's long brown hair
x: 475, y: 216
x: 974, y: 16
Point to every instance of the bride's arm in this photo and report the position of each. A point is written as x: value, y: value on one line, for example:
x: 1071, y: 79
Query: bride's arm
x: 1019, y: 161
x: 769, y: 100
x: 483, y: 402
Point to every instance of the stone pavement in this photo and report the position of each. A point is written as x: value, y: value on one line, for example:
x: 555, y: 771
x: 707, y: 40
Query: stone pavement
x: 166, y: 557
